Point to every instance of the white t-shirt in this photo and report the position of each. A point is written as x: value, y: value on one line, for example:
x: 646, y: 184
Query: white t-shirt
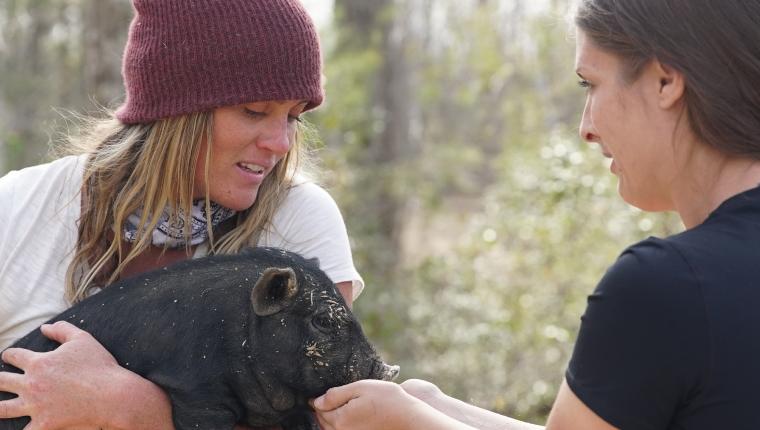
x: 39, y: 211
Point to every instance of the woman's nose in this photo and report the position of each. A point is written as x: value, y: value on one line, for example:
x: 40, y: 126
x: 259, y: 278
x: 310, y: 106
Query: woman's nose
x: 586, y: 129
x: 277, y: 136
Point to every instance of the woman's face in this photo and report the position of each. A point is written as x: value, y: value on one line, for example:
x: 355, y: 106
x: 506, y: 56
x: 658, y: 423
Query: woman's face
x: 628, y: 122
x: 248, y: 141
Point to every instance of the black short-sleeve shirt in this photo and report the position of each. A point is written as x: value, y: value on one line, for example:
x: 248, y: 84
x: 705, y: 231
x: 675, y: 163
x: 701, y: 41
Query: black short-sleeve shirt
x: 671, y: 335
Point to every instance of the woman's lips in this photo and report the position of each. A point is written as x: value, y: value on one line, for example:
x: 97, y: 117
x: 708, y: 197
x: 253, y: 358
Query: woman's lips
x: 613, y: 166
x: 251, y: 167
x: 253, y: 173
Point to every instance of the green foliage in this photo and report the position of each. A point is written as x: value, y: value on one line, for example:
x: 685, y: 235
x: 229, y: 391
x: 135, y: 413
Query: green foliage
x: 13, y: 147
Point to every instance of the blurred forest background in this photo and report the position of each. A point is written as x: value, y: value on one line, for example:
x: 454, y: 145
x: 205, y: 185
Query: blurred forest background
x: 479, y: 219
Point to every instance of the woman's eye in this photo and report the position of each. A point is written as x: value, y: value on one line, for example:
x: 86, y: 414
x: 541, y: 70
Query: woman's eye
x: 584, y: 84
x: 259, y: 114
x: 253, y: 113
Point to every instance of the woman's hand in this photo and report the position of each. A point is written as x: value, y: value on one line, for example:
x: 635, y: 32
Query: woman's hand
x: 366, y: 404
x: 80, y: 385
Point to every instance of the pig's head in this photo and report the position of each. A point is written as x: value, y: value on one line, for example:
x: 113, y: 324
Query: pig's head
x: 304, y: 339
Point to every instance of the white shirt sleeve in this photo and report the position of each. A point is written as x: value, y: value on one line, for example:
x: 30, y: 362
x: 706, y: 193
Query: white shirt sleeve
x: 38, y: 230
x: 309, y: 223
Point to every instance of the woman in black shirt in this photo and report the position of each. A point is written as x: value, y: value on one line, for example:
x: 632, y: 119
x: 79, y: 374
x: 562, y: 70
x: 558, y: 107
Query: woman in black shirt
x: 669, y: 339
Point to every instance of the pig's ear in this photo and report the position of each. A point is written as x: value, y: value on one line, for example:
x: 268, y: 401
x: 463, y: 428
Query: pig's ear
x: 274, y: 291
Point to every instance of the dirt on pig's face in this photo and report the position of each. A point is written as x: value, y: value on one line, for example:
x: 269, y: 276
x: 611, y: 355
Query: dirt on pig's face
x: 304, y: 329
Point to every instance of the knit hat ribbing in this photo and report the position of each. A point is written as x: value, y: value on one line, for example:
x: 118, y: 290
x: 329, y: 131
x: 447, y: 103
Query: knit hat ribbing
x: 185, y: 56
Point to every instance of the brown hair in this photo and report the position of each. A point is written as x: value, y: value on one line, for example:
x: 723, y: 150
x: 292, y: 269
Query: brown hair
x: 714, y: 44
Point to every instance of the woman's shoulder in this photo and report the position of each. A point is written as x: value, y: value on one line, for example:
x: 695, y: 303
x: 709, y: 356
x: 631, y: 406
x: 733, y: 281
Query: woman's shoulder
x: 653, y: 269
x: 306, y: 209
x: 52, y: 182
x: 711, y: 268
x: 308, y: 192
x: 307, y: 198
x: 310, y: 223
x: 687, y: 251
x: 652, y: 255
x: 64, y: 167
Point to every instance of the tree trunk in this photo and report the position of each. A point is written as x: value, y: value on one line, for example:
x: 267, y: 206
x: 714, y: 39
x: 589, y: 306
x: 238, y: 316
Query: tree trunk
x: 105, y: 24
x: 382, y: 24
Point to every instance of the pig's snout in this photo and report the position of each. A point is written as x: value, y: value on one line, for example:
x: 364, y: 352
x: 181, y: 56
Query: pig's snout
x: 382, y: 371
x: 389, y: 373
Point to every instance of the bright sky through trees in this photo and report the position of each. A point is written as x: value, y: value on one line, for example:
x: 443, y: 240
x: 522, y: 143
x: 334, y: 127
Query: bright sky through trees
x: 320, y: 10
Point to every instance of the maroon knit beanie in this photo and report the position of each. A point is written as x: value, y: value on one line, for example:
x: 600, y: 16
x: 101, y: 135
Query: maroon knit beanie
x: 187, y: 56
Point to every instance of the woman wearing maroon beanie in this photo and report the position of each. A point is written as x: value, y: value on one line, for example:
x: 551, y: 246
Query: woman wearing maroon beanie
x: 205, y: 156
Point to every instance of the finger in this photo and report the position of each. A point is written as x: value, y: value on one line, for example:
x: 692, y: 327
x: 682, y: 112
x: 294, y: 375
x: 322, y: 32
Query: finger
x: 61, y: 331
x: 334, y: 398
x: 10, y: 382
x: 12, y: 408
x: 17, y: 357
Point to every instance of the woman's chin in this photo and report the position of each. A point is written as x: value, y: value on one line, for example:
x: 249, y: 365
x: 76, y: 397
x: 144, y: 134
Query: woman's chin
x: 644, y: 202
x: 238, y: 203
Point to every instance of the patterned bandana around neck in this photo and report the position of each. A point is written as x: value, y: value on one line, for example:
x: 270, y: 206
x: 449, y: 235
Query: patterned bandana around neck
x: 173, y: 235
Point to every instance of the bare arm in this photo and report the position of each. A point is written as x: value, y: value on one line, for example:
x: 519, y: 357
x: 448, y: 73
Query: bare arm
x: 461, y: 411
x: 371, y: 405
x: 80, y: 384
x: 346, y: 289
x: 569, y: 412
x: 378, y: 405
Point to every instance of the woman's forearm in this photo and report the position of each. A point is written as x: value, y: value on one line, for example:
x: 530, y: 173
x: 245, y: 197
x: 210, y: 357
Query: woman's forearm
x: 479, y: 418
x: 138, y: 404
x: 463, y: 412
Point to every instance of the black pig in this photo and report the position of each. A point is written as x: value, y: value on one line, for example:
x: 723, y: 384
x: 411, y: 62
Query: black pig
x: 244, y: 338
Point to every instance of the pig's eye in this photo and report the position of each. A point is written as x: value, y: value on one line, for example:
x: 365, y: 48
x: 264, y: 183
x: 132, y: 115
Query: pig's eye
x: 323, y: 322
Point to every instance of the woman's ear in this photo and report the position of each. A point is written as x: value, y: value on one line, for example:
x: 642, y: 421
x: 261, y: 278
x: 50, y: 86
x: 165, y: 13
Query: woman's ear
x: 672, y: 85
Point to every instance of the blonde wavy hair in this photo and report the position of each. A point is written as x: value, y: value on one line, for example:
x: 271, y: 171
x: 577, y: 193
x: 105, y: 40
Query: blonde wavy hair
x: 152, y: 166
